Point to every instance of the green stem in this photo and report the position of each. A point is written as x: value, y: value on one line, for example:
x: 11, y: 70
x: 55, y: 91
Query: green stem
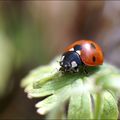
x: 98, y: 106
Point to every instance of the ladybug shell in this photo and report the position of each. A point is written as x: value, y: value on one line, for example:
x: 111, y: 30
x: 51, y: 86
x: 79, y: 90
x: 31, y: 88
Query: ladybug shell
x: 90, y: 53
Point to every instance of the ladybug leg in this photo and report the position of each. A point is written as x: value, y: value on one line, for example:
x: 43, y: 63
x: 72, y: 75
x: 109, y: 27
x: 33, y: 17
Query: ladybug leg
x: 76, y: 70
x: 62, y: 69
x: 73, y: 70
x: 85, y: 69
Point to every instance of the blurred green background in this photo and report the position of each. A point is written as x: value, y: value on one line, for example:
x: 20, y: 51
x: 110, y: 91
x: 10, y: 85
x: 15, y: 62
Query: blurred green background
x: 33, y: 32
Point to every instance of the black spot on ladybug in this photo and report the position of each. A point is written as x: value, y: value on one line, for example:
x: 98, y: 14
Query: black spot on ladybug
x: 94, y: 58
x: 77, y: 47
x: 93, y: 46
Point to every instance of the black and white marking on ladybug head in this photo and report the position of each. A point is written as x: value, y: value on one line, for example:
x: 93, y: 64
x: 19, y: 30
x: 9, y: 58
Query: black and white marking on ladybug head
x: 71, y: 49
x: 74, y: 64
x: 62, y: 58
x: 70, y: 60
x: 79, y: 52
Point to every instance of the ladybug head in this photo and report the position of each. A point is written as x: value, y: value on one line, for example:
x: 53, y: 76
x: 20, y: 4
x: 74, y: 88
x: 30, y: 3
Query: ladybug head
x: 70, y: 61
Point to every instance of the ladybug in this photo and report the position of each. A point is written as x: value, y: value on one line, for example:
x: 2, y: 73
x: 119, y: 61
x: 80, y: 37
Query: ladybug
x: 81, y: 53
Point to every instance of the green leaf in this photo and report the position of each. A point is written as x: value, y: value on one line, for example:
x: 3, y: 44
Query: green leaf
x: 111, y: 81
x: 80, y: 106
x: 38, y: 74
x: 97, y: 101
x: 105, y: 106
x: 7, y: 63
x: 50, y: 102
x: 110, y: 110
x: 52, y: 86
x: 57, y: 112
x: 41, y: 72
x: 83, y: 91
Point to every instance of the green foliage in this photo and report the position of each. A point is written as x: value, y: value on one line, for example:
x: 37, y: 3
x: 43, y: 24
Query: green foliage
x: 77, y: 95
x: 7, y: 56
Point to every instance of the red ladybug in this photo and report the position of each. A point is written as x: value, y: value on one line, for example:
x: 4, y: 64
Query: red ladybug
x: 82, y: 52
